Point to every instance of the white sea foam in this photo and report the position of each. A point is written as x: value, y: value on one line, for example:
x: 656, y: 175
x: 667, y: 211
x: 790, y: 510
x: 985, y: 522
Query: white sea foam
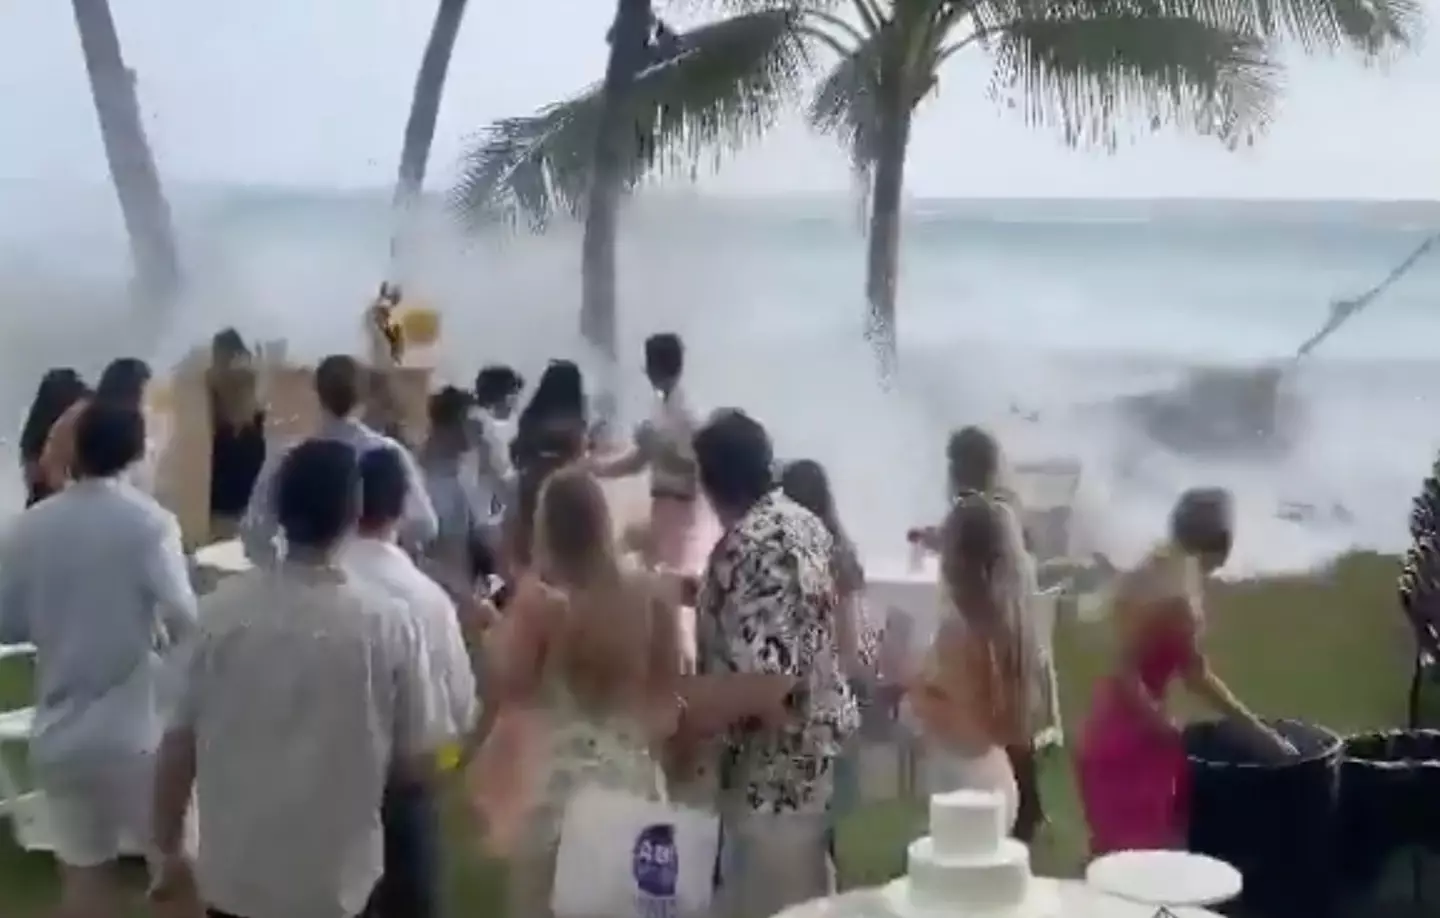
x: 999, y: 312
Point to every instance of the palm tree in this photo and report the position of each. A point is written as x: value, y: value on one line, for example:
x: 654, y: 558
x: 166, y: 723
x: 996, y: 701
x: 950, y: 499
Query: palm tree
x: 1080, y: 65
x: 1089, y: 67
x: 424, y: 112
x: 665, y: 98
x: 629, y: 43
x: 132, y: 166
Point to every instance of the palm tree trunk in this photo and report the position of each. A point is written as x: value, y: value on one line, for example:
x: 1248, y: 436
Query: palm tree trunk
x: 629, y: 37
x: 132, y: 166
x: 424, y: 112
x: 883, y: 262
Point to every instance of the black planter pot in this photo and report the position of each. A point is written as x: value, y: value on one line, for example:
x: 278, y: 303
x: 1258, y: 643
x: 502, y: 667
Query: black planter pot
x: 1275, y: 821
x: 1389, y: 798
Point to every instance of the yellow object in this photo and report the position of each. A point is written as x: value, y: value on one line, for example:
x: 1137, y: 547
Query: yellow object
x: 419, y: 325
x: 448, y: 758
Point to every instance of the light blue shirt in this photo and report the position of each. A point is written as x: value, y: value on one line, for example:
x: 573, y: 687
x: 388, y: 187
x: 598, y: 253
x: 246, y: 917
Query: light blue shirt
x: 259, y: 528
x: 95, y: 577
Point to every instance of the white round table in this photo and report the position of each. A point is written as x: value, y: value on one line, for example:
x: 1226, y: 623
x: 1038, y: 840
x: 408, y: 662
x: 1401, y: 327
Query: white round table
x: 1077, y: 900
x: 1164, y: 880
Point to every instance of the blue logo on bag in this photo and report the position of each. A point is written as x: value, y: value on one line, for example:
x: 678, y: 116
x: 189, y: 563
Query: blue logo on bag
x: 655, y: 864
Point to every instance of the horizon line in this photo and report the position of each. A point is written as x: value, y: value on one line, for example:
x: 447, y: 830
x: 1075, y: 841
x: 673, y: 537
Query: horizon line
x: 690, y: 193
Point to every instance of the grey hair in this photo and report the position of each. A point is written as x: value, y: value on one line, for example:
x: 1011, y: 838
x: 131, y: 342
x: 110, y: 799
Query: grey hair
x: 1203, y: 520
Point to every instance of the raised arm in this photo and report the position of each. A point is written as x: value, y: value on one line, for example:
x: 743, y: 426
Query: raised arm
x: 631, y: 461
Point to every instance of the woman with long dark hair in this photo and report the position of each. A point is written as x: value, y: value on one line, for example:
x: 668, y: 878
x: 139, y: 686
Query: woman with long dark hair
x: 59, y: 390
x: 123, y: 382
x: 805, y: 482
x: 553, y: 431
x: 237, y: 426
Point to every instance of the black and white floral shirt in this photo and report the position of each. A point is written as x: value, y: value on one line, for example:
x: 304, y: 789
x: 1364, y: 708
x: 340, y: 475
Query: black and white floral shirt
x: 767, y: 604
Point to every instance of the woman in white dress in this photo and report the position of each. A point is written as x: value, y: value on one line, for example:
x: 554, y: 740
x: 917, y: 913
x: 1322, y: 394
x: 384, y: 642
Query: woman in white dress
x: 975, y: 466
x: 970, y: 695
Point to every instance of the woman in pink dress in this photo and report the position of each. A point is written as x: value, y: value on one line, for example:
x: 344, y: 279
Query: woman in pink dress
x: 1131, y: 759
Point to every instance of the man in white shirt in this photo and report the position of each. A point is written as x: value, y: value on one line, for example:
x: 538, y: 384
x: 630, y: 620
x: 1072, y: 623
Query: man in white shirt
x: 664, y: 445
x: 497, y: 389
x: 306, y: 691
x: 339, y: 385
x: 96, y: 578
x: 409, y: 887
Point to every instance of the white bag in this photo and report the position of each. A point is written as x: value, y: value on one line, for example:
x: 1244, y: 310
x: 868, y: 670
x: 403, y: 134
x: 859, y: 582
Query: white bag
x: 623, y: 856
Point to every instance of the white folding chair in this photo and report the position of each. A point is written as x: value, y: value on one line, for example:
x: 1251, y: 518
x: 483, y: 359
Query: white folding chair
x: 24, y: 808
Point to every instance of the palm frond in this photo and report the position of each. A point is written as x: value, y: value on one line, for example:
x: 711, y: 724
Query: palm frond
x: 1090, y: 72
x: 731, y: 7
x: 1369, y: 27
x: 846, y: 106
x: 722, y: 85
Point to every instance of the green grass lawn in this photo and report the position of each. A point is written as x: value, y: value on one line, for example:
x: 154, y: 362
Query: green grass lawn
x: 1332, y: 648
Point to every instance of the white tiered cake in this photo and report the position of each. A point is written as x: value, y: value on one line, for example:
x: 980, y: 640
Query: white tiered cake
x: 968, y: 868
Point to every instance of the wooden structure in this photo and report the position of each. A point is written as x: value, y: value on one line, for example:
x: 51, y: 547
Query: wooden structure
x: 287, y: 396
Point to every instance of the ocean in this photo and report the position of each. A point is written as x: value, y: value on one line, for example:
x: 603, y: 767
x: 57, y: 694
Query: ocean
x: 1031, y: 317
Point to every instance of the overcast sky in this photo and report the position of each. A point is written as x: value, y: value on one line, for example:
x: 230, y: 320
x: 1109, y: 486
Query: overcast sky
x: 315, y: 92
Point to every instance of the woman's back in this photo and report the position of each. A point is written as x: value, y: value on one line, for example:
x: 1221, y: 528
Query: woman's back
x: 975, y: 674
x: 595, y: 683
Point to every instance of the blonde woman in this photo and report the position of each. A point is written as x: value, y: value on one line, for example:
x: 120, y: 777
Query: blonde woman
x: 1131, y: 760
x: 583, y: 672
x: 975, y: 467
x: 970, y: 696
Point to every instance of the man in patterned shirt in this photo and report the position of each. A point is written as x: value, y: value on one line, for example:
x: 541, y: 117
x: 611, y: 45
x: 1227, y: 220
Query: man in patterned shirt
x: 767, y: 604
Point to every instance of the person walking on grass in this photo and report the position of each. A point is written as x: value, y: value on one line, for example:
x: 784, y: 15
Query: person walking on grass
x: 306, y: 693
x: 409, y: 887
x: 340, y: 386
x: 975, y: 466
x: 766, y: 604
x: 95, y: 577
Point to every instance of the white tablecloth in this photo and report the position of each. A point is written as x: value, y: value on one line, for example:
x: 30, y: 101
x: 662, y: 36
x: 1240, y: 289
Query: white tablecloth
x: 1077, y: 900
x: 911, y: 591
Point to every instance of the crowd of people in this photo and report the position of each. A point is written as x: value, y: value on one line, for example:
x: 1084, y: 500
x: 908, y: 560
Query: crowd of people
x: 467, y: 608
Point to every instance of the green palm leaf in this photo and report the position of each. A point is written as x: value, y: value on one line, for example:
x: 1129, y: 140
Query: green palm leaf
x: 845, y: 106
x: 1370, y: 27
x: 721, y: 86
x: 1089, y: 71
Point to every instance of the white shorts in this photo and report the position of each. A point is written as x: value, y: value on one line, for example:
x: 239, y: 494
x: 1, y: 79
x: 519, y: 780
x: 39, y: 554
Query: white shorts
x: 99, y: 814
